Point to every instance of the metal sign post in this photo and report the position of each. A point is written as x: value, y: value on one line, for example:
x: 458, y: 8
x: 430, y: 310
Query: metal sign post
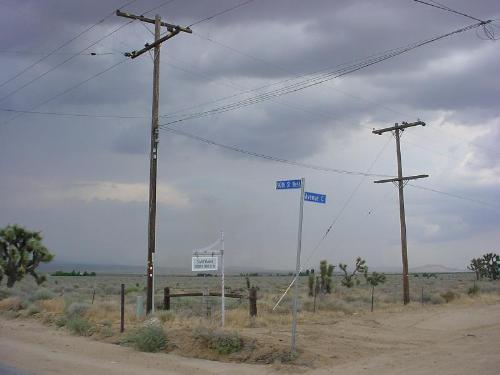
x: 297, y: 267
x: 304, y: 196
x: 206, y: 260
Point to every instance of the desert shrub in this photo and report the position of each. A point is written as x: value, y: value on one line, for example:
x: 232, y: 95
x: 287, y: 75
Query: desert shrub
x: 60, y: 321
x: 79, y: 326
x: 132, y: 289
x: 165, y: 316
x: 106, y: 329
x: 449, y: 296
x: 5, y: 293
x: 10, y: 304
x: 150, y: 338
x: 223, y: 342
x: 77, y: 309
x: 473, y: 290
x: 436, y: 299
x: 32, y: 310
x: 42, y: 294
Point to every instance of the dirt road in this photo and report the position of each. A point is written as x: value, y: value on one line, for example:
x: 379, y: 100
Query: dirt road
x: 443, y: 340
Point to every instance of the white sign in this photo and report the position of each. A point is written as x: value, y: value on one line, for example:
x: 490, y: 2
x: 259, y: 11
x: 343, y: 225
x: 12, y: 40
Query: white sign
x: 204, y: 263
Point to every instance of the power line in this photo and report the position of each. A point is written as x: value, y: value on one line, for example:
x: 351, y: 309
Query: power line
x: 267, y: 157
x: 69, y: 114
x: 88, y: 79
x: 282, y: 69
x: 448, y: 9
x: 319, y: 78
x: 221, y: 12
x: 489, y: 204
x: 63, y: 62
x: 19, y: 113
x: 62, y: 46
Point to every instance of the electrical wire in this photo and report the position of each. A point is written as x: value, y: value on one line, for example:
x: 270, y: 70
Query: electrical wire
x: 448, y: 9
x: 317, y: 79
x: 221, y: 12
x: 488, y: 204
x: 20, y: 113
x: 331, y: 226
x: 64, y: 61
x: 63, y: 45
x: 268, y: 157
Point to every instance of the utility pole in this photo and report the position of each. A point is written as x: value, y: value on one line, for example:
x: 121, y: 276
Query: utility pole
x: 401, y: 182
x: 173, y: 30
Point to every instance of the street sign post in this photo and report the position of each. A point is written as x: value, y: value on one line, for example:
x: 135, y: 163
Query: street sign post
x: 304, y: 196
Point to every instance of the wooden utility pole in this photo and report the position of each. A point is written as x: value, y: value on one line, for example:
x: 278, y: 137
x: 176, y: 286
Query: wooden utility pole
x: 401, y: 182
x: 173, y: 30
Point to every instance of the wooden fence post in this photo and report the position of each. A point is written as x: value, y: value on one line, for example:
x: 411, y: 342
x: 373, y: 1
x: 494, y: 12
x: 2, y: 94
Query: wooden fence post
x: 166, y: 298
x: 252, y: 298
x: 122, y: 309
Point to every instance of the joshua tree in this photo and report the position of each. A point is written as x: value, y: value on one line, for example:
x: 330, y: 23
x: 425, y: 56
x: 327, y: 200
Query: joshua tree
x: 360, y: 267
x: 374, y: 279
x: 326, y: 273
x: 21, y: 252
x: 491, y: 263
x: 477, y: 265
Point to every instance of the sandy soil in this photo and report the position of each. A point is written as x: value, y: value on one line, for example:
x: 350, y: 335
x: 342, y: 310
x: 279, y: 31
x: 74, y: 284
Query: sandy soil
x: 445, y: 340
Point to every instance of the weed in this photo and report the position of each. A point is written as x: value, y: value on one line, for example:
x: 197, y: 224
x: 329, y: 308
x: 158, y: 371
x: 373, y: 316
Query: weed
x: 436, y: 299
x: 77, y: 309
x: 42, y: 294
x: 474, y: 290
x: 223, y: 342
x: 61, y: 321
x: 150, y: 338
x: 449, y: 296
x: 32, y: 310
x: 79, y: 326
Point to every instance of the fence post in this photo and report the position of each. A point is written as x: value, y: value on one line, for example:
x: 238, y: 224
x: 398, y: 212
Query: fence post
x: 166, y: 298
x: 122, y: 309
x: 252, y: 298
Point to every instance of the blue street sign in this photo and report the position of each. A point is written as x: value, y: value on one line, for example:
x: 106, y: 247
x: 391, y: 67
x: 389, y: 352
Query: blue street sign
x: 288, y: 184
x: 313, y: 197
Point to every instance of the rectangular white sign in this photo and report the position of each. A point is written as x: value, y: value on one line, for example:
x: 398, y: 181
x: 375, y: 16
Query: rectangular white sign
x: 204, y: 263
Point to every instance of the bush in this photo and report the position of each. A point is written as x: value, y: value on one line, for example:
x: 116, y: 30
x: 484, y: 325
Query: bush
x: 5, y: 293
x: 165, y: 316
x: 436, y: 299
x: 77, y: 309
x: 42, y: 294
x: 449, y: 296
x: 32, y: 310
x: 11, y: 304
x: 150, y: 338
x: 222, y: 341
x: 473, y: 290
x: 79, y: 326
x: 61, y: 321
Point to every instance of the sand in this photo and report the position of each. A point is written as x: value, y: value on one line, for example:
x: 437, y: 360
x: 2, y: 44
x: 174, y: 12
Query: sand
x: 451, y: 339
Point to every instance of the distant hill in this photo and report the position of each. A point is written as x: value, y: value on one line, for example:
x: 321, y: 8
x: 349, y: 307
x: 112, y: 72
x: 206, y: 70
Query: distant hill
x: 434, y: 268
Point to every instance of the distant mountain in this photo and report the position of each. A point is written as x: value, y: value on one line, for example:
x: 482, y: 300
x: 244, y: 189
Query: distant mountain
x: 434, y: 268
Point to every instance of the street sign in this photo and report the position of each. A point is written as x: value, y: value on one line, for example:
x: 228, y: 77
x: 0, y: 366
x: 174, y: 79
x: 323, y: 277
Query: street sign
x: 313, y: 197
x: 204, y: 263
x: 288, y: 184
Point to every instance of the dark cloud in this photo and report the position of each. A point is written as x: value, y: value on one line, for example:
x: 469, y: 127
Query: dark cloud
x: 451, y: 84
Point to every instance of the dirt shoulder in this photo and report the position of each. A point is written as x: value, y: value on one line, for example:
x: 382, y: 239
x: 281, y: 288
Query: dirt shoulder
x: 452, y: 339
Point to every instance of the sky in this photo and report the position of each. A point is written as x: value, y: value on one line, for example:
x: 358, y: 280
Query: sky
x: 78, y: 168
